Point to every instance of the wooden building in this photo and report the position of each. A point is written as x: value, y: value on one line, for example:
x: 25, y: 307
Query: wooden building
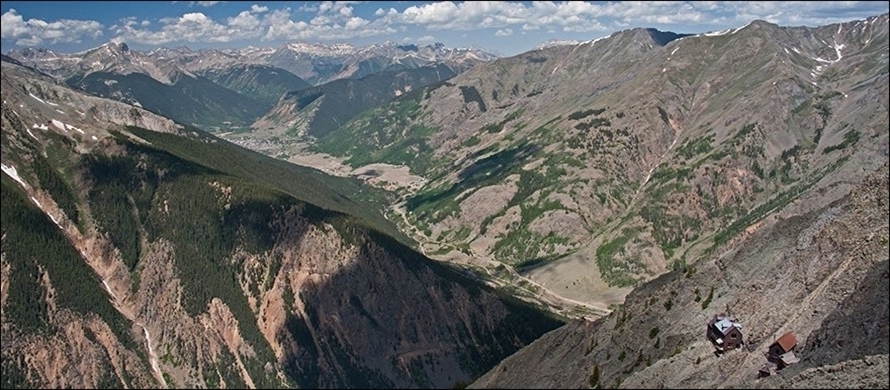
x: 780, y: 352
x: 724, y: 333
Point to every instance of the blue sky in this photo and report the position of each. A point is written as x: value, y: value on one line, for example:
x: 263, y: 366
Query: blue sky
x: 501, y: 27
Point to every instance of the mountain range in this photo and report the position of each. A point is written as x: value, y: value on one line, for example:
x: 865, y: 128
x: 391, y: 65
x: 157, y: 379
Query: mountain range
x: 230, y: 89
x: 568, y: 217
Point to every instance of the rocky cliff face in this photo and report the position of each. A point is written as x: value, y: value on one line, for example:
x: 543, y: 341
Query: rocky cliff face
x: 41, y: 99
x: 820, y: 273
x: 139, y: 258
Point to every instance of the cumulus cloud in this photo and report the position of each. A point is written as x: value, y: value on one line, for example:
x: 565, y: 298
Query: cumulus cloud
x: 205, y: 3
x: 446, y: 15
x: 582, y: 16
x: 338, y: 20
x: 190, y: 27
x: 329, y: 20
x: 808, y: 13
x: 355, y: 23
x: 197, y: 27
x: 245, y: 21
x: 334, y: 20
x: 308, y: 7
x: 35, y: 31
x: 504, y: 32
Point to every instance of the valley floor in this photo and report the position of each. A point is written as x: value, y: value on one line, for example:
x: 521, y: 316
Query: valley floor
x: 571, y: 286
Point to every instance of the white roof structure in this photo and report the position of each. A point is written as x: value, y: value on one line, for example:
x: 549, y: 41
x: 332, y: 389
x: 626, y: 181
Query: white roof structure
x: 789, y: 358
x: 725, y: 324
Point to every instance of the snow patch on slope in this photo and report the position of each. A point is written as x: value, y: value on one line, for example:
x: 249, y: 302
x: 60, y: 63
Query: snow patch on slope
x: 107, y: 288
x: 55, y: 221
x: 65, y: 127
x: 728, y: 31
x: 41, y: 100
x: 10, y: 170
x: 151, y: 354
x: 58, y: 124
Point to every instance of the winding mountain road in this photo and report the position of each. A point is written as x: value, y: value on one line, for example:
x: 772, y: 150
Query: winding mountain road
x: 565, y: 306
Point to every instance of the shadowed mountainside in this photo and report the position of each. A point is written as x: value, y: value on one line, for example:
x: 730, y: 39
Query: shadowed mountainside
x: 138, y: 258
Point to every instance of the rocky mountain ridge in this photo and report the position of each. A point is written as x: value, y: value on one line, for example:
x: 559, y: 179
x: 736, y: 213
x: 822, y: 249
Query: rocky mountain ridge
x: 316, y: 63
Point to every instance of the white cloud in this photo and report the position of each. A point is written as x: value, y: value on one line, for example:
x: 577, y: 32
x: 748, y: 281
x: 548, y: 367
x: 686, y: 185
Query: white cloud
x: 320, y: 20
x: 656, y: 12
x: 35, y: 31
x: 245, y: 21
x: 582, y: 16
x: 191, y: 27
x: 355, y: 23
x: 339, y: 20
x: 255, y: 22
x: 582, y: 28
x: 809, y: 13
x: 332, y: 21
x: 498, y: 14
x: 308, y: 8
x: 205, y: 3
x: 13, y: 26
x: 426, y: 39
x: 433, y: 14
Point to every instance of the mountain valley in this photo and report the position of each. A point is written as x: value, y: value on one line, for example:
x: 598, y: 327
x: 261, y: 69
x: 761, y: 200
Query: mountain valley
x: 395, y: 216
